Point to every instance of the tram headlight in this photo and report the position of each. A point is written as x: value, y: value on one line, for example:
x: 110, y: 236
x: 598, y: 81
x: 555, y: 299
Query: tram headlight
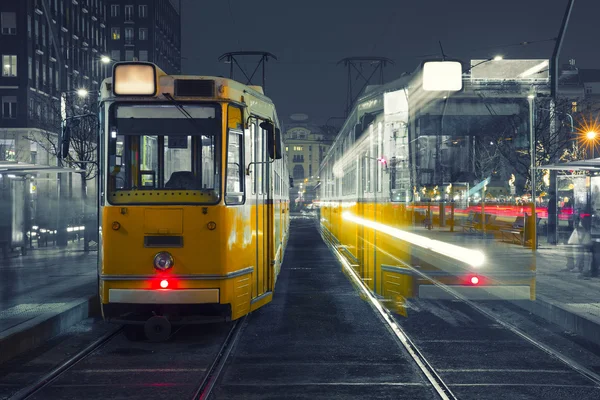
x: 163, y: 261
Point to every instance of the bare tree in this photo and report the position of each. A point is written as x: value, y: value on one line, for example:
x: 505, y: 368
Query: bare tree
x: 82, y: 121
x: 554, y: 141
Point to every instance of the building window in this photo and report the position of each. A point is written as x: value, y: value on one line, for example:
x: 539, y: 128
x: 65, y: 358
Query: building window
x: 115, y: 55
x: 30, y: 68
x: 143, y: 35
x: 37, y: 72
x: 115, y: 33
x: 43, y: 74
x: 9, y: 23
x: 298, y: 148
x: 129, y: 34
x: 588, y: 90
x: 9, y: 65
x: 129, y: 13
x: 143, y: 55
x: 9, y: 106
x: 298, y: 172
x: 574, y: 106
x: 143, y: 11
x: 29, y: 25
x: 128, y: 55
x: 114, y: 10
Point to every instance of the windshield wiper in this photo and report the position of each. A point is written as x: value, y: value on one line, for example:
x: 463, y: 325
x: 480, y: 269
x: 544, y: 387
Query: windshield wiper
x: 183, y: 111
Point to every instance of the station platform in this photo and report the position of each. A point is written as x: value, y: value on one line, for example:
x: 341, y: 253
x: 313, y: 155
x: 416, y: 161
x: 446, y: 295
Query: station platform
x: 43, y: 293
x: 562, y: 297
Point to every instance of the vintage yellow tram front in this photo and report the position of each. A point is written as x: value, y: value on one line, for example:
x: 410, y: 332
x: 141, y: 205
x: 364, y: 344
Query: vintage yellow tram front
x: 185, y: 236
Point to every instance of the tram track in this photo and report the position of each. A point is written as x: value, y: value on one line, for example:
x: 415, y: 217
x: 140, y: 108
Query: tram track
x: 29, y: 391
x: 214, y: 372
x: 140, y: 369
x: 461, y: 381
x: 430, y: 373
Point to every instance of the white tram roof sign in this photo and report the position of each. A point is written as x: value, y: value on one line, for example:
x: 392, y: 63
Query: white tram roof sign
x: 510, y: 69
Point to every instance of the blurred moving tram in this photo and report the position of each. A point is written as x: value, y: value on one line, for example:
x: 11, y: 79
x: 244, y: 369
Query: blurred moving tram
x: 194, y: 208
x: 367, y: 200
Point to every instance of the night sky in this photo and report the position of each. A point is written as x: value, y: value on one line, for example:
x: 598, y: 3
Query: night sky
x: 309, y: 37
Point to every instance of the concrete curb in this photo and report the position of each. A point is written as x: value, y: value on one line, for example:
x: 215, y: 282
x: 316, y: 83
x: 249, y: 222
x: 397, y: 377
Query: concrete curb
x: 570, y: 321
x: 31, y: 334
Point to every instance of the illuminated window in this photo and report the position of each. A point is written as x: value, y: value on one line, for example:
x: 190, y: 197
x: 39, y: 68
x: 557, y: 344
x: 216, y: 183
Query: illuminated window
x: 115, y: 33
x: 9, y: 65
x: 298, y: 148
x: 574, y: 106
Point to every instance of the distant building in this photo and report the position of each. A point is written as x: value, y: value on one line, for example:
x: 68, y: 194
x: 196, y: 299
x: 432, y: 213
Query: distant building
x: 306, y: 146
x: 30, y: 84
x: 145, y: 30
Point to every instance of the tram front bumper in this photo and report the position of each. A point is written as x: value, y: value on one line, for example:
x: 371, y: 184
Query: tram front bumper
x: 490, y: 292
x: 164, y: 296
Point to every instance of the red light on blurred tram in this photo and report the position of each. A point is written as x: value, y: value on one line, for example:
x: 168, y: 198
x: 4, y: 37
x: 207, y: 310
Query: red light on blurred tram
x: 474, y: 280
x: 164, y: 284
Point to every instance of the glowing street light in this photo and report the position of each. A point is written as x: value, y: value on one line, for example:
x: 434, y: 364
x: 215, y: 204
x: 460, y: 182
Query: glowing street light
x: 105, y: 59
x: 591, y: 135
x: 498, y: 58
x: 82, y: 92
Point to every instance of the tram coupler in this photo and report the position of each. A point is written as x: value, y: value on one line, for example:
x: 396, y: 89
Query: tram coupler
x: 157, y: 328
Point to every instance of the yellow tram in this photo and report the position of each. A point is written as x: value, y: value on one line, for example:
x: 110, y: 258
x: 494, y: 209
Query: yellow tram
x: 193, y: 198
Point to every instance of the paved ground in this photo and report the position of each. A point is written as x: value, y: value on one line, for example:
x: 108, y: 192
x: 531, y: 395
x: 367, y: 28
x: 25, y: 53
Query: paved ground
x: 42, y: 293
x: 318, y: 339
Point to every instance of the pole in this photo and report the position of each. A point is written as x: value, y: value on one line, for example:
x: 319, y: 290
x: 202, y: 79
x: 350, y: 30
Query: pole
x: 531, y: 98
x: 556, y: 52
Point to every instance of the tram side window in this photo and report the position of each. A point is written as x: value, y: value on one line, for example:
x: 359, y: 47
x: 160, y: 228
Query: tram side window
x: 235, y: 171
x: 234, y: 190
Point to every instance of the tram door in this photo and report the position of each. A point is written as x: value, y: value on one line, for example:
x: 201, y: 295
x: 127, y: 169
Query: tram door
x: 261, y: 169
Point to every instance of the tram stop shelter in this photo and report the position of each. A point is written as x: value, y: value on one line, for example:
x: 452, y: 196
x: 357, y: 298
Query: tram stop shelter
x: 17, y: 184
x: 585, y: 188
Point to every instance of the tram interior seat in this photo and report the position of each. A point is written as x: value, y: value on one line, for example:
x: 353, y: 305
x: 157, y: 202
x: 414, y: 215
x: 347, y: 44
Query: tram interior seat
x: 184, y: 180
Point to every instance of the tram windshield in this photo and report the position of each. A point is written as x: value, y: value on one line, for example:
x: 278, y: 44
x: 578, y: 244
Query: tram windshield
x: 158, y: 148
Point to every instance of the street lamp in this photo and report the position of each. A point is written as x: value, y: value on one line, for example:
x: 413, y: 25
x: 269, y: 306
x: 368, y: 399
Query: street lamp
x: 105, y: 59
x: 591, y: 135
x: 82, y: 92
